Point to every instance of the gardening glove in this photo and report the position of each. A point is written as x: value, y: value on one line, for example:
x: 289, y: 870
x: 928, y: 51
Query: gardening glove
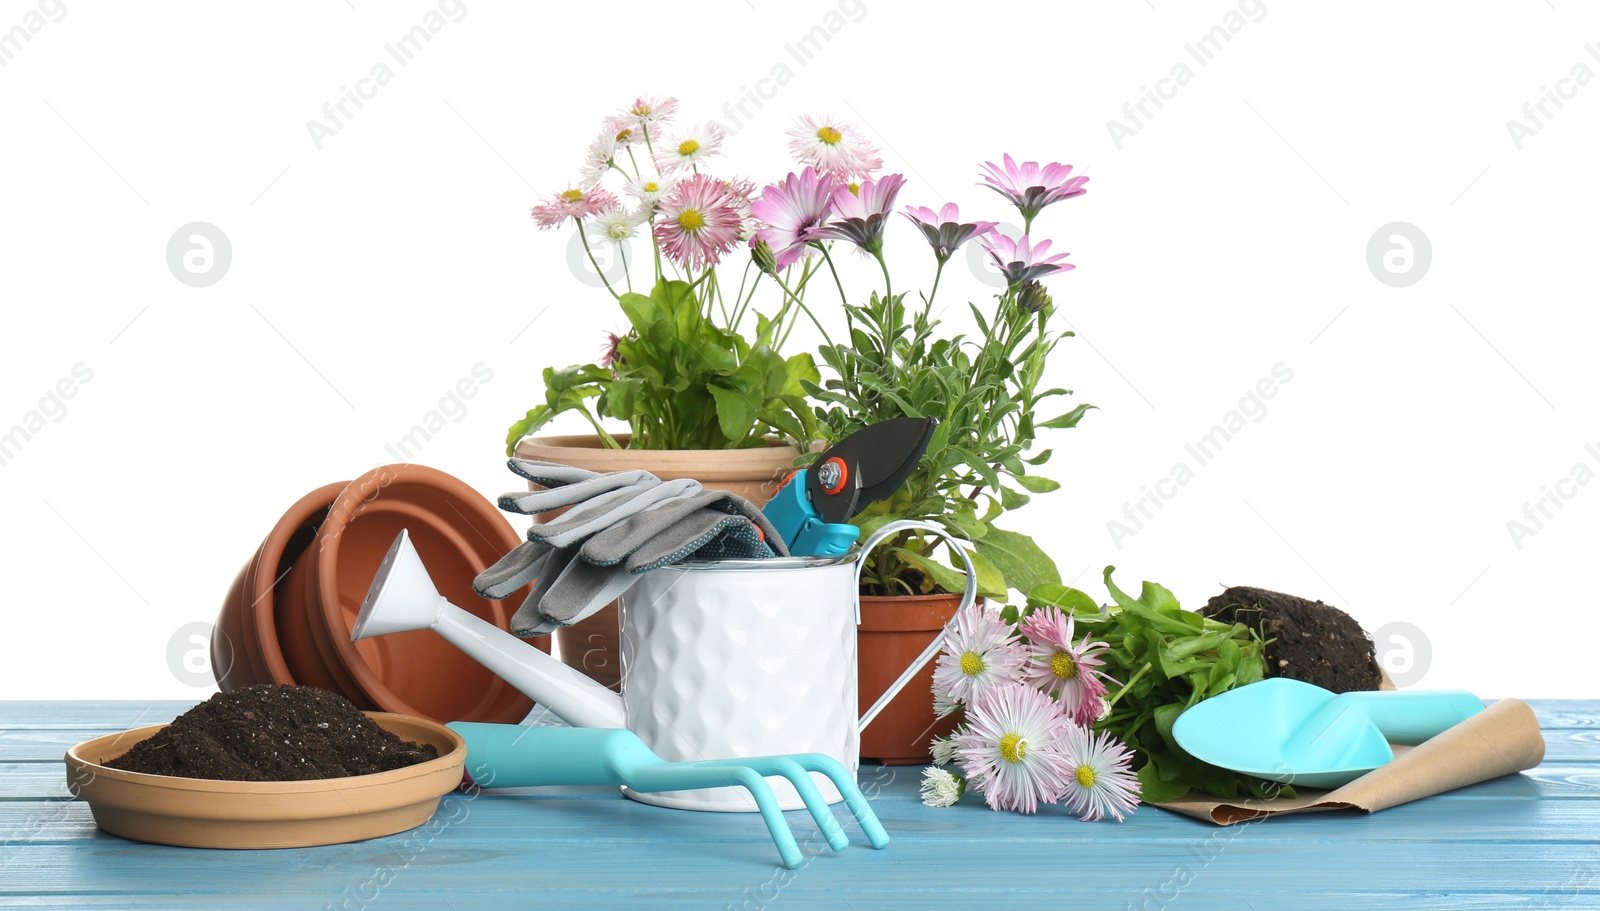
x: 598, y: 501
x: 576, y: 582
x: 583, y: 562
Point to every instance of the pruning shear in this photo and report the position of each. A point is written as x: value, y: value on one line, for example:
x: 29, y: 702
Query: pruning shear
x: 812, y: 507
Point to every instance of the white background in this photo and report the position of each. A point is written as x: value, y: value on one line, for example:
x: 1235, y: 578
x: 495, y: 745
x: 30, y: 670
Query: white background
x: 1227, y: 235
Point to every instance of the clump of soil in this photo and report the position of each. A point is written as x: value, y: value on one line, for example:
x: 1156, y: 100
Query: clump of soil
x: 272, y: 733
x: 1314, y: 642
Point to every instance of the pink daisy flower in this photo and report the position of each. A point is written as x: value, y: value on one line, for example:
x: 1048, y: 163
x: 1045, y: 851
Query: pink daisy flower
x: 793, y: 210
x: 649, y: 109
x: 1101, y: 781
x: 1013, y: 748
x: 1030, y: 187
x: 980, y: 653
x: 944, y: 229
x: 1058, y: 665
x: 833, y: 147
x: 862, y: 212
x: 624, y: 129
x: 698, y: 222
x: 578, y: 202
x: 1021, y: 261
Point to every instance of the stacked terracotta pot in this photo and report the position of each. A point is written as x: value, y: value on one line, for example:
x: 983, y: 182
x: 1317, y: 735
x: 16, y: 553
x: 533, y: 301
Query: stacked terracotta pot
x: 288, y: 616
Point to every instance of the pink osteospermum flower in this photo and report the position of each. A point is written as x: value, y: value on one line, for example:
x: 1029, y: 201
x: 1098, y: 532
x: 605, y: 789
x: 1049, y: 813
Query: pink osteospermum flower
x: 944, y: 229
x: 608, y: 351
x: 862, y: 212
x: 980, y: 652
x: 793, y: 210
x: 833, y: 147
x: 1013, y: 748
x: 1021, y: 261
x: 574, y: 202
x: 698, y: 222
x: 1101, y: 781
x: 1030, y: 187
x: 689, y: 149
x: 1070, y: 670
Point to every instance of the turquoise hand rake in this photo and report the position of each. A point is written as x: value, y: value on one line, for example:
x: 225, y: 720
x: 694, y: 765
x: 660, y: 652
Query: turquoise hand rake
x: 512, y: 756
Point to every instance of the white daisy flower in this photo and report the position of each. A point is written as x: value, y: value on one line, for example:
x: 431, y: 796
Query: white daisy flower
x: 833, y: 147
x: 690, y: 148
x: 615, y: 224
x: 944, y: 750
x: 940, y: 788
x: 649, y: 190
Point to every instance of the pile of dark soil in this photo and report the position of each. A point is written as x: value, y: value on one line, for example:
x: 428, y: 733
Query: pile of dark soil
x: 1314, y: 642
x: 272, y: 733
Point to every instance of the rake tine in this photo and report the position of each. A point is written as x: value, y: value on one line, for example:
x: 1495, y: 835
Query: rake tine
x: 801, y: 779
x: 853, y: 798
x: 686, y: 776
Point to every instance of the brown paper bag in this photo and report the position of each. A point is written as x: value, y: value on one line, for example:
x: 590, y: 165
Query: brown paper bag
x: 1502, y: 739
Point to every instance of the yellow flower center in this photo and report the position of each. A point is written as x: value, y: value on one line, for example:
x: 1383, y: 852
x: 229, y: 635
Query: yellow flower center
x: 1062, y: 665
x: 617, y: 230
x: 830, y: 135
x: 651, y: 186
x: 1085, y: 776
x: 623, y: 134
x: 971, y: 664
x: 691, y: 220
x: 573, y: 195
x: 1013, y: 748
x: 688, y: 147
x: 855, y: 189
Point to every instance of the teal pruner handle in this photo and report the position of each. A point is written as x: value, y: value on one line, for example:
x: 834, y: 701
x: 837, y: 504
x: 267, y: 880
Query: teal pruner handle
x: 519, y: 756
x: 1411, y: 716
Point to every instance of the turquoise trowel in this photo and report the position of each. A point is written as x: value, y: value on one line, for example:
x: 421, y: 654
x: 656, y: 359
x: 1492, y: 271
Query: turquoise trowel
x: 1290, y: 731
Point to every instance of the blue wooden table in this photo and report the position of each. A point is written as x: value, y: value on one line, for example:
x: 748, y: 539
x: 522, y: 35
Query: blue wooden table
x: 1524, y: 841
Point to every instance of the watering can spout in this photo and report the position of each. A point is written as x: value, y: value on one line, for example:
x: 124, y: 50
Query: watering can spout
x: 403, y: 598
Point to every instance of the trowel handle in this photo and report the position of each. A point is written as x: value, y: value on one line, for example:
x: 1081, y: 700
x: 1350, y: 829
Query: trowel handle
x: 520, y: 756
x: 1412, y: 716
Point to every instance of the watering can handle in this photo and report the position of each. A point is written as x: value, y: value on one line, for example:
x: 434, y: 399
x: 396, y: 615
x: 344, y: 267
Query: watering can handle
x: 968, y: 597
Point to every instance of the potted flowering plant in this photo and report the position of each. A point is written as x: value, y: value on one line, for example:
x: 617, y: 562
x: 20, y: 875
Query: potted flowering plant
x: 986, y: 389
x: 697, y: 375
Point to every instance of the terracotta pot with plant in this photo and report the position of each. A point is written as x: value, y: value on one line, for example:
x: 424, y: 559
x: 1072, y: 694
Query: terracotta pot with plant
x: 697, y: 377
x: 986, y: 387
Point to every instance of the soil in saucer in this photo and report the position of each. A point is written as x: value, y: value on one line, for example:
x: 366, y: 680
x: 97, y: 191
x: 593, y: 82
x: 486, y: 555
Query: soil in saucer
x: 1313, y: 642
x: 272, y: 733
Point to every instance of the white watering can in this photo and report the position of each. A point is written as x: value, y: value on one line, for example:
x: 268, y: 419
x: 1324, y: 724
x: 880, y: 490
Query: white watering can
x: 722, y: 659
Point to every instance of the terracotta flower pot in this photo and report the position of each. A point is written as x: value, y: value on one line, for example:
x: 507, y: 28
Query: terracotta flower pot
x: 591, y: 645
x: 244, y: 641
x: 893, y: 632
x: 458, y: 533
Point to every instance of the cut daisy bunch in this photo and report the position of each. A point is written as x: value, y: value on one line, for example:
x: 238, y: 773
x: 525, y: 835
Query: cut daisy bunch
x: 1029, y: 693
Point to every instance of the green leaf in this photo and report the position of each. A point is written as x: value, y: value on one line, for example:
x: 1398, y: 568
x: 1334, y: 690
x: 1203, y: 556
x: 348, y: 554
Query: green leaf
x: 946, y: 578
x: 1010, y: 499
x: 1153, y: 790
x: 1025, y: 565
x: 970, y: 526
x: 1064, y: 597
x: 992, y: 583
x: 1070, y: 419
x: 531, y: 422
x: 736, y: 414
x: 1035, y: 484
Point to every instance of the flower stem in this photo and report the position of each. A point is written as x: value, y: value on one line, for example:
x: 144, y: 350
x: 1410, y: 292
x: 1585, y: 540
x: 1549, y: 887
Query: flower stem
x: 802, y: 304
x: 843, y: 298
x: 888, y: 284
x: 928, y: 305
x: 597, y: 270
x: 1129, y: 685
